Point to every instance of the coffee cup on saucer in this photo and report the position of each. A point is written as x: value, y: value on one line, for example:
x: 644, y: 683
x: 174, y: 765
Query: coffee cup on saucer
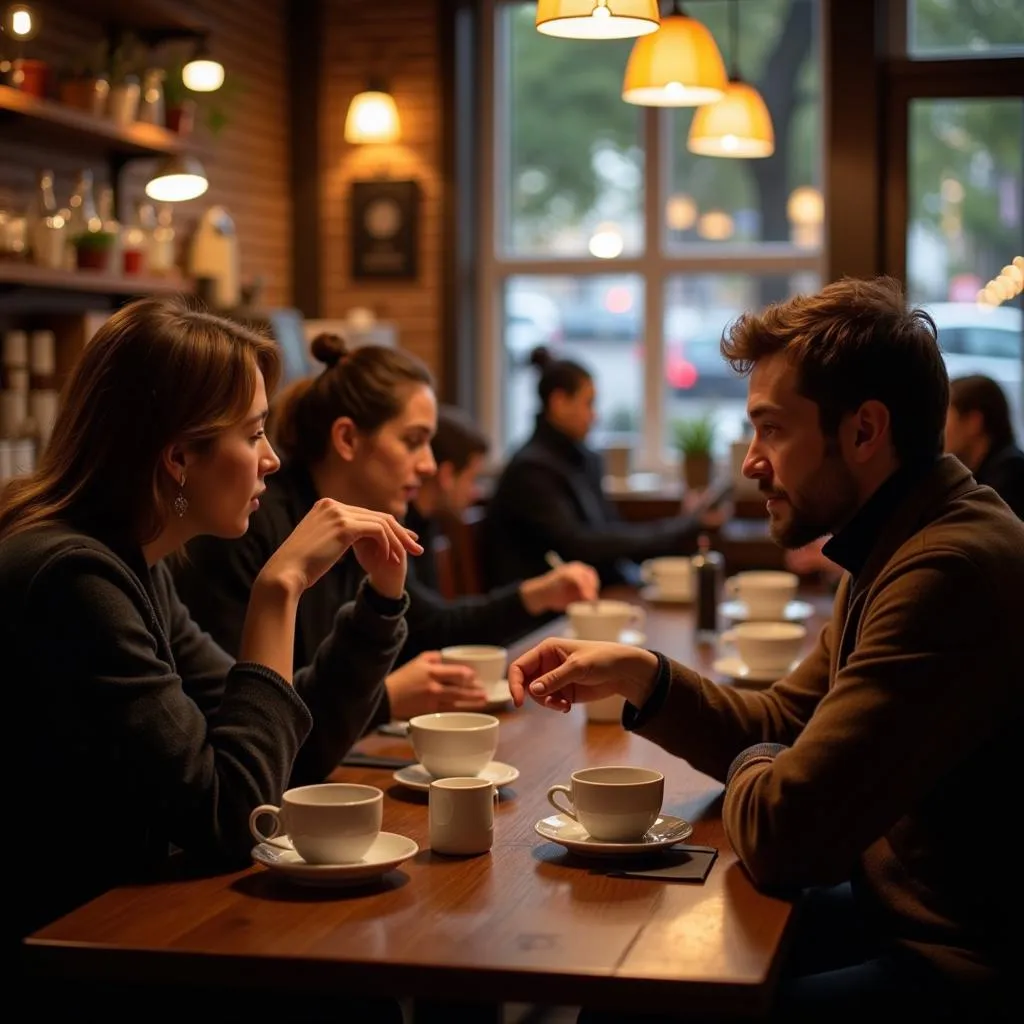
x: 487, y: 661
x: 454, y: 743
x: 614, y: 804
x: 603, y: 620
x: 767, y: 646
x: 764, y: 593
x: 671, y: 576
x: 331, y: 823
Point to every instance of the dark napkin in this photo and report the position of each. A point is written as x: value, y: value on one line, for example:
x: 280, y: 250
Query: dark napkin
x: 355, y: 759
x: 678, y: 864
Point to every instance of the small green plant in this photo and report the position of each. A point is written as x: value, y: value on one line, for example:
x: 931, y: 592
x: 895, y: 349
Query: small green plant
x: 96, y: 240
x: 694, y: 436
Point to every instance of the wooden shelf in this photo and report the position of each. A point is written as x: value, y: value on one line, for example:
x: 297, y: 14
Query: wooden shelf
x: 96, y: 282
x: 47, y: 121
x: 153, y: 19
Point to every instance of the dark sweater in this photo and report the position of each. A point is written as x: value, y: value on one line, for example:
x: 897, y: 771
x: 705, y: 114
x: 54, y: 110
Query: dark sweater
x: 900, y: 731
x: 215, y: 581
x: 140, y: 732
x: 550, y: 498
x: 1003, y: 471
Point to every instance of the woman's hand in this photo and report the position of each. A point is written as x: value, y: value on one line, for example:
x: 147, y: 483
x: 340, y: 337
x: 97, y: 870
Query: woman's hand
x: 559, y: 673
x: 427, y: 684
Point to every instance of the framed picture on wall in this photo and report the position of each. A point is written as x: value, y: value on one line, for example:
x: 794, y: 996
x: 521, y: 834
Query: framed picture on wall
x: 385, y: 230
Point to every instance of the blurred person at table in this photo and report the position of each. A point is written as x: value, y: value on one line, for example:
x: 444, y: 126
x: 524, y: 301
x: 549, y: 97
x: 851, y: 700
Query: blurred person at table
x: 550, y: 498
x: 979, y: 433
x: 909, y: 709
x: 360, y: 432
x: 140, y: 732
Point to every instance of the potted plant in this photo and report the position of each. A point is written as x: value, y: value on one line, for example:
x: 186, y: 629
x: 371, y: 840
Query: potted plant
x: 694, y: 438
x: 86, y: 86
x: 179, y: 102
x: 125, y: 91
x: 93, y: 249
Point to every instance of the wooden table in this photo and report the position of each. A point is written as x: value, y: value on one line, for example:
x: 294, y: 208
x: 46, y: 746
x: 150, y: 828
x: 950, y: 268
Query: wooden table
x: 525, y: 923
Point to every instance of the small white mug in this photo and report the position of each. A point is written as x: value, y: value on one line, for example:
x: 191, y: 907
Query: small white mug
x: 617, y: 804
x: 603, y: 620
x: 461, y: 816
x: 607, y: 709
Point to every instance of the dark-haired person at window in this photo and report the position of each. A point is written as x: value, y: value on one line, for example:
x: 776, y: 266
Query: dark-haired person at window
x: 979, y: 433
x: 550, y: 497
x: 909, y: 706
x: 363, y: 426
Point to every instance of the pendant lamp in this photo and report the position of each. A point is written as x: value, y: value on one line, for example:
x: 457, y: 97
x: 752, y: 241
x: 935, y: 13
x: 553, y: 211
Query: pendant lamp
x: 739, y: 124
x: 597, y: 19
x: 678, y: 66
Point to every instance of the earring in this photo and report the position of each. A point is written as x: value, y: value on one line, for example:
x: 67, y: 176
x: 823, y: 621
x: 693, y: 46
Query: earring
x: 180, y: 502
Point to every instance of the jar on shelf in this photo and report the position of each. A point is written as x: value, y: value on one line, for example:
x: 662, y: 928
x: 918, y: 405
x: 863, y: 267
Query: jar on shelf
x: 48, y: 226
x: 110, y: 225
x: 161, y: 252
x: 151, y: 103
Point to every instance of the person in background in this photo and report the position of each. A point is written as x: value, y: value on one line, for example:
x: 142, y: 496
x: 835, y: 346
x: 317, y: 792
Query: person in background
x: 550, y: 498
x: 360, y: 432
x: 459, y: 449
x: 980, y: 434
x: 909, y: 706
x: 140, y: 732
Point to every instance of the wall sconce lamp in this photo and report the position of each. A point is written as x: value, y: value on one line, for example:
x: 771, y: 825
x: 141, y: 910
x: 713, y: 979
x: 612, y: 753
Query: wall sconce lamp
x: 202, y: 73
x: 373, y: 116
x: 21, y: 22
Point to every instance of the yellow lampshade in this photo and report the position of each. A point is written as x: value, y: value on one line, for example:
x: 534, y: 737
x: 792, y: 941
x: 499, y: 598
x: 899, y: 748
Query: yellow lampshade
x: 177, y: 179
x: 678, y: 66
x: 597, y: 19
x: 372, y: 117
x: 738, y: 125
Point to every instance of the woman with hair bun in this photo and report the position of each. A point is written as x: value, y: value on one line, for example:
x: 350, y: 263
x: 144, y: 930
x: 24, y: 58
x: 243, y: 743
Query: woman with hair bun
x: 360, y: 432
x: 550, y: 498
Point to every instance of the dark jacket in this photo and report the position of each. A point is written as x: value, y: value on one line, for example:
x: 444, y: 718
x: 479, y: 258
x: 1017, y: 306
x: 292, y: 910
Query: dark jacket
x: 139, y: 731
x: 899, y: 730
x: 216, y: 579
x: 1003, y: 471
x: 549, y: 498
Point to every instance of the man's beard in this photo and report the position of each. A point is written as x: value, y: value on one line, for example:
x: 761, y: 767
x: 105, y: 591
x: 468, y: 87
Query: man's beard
x: 810, y: 516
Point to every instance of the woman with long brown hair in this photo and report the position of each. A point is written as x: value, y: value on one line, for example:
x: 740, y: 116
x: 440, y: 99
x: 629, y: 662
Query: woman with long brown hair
x: 144, y: 733
x: 360, y: 432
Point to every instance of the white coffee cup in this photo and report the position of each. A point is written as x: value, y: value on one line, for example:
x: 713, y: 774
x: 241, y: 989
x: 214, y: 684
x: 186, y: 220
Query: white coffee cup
x: 764, y: 592
x: 461, y: 815
x: 332, y: 823
x: 615, y: 804
x: 454, y: 743
x: 617, y: 461
x: 607, y: 709
x: 673, y: 576
x: 603, y: 620
x: 767, y: 646
x: 488, y: 662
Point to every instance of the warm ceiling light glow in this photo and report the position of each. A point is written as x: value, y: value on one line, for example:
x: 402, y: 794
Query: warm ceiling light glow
x: 678, y: 66
x: 606, y: 242
x: 805, y: 206
x: 21, y: 22
x: 597, y: 19
x: 680, y: 213
x: 715, y: 226
x: 372, y: 117
x: 177, y: 180
x: 203, y: 74
x: 738, y: 125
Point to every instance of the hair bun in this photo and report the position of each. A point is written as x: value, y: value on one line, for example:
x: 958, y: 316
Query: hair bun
x: 541, y: 358
x: 329, y: 349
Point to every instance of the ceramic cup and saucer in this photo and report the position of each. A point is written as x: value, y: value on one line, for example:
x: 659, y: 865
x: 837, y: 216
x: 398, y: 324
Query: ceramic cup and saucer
x: 765, y: 651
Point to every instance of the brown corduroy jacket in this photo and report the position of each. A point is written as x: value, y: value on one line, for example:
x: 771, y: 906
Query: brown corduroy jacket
x: 903, y: 729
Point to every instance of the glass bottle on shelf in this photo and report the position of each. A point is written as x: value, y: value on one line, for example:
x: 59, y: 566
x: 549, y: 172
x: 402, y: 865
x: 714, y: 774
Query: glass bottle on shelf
x: 138, y: 240
x: 48, y: 227
x: 151, y: 106
x: 161, y: 254
x: 83, y: 218
x: 110, y: 225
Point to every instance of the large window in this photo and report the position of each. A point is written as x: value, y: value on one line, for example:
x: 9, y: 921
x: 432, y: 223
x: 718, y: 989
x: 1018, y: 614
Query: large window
x: 609, y: 242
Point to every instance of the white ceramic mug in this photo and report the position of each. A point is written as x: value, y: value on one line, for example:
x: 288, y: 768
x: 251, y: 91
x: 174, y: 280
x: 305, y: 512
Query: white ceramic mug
x: 764, y: 592
x: 614, y: 804
x: 617, y: 461
x: 603, y: 620
x: 607, y: 709
x: 454, y: 743
x: 461, y: 815
x: 767, y: 646
x: 673, y: 576
x: 332, y: 823
x: 488, y: 662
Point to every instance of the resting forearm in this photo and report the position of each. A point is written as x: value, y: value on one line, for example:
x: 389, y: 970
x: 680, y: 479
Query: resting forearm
x: 268, y: 637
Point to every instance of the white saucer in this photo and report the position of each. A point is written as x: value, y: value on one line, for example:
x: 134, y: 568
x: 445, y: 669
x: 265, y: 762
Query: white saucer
x: 497, y: 692
x: 633, y: 637
x: 654, y: 594
x: 387, y: 852
x: 795, y: 611
x: 415, y: 776
x: 734, y: 668
x: 560, y: 828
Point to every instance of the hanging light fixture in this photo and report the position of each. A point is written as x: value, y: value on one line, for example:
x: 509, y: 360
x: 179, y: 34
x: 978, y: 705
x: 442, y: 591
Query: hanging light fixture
x: 373, y: 116
x: 677, y: 66
x: 21, y: 22
x: 177, y: 179
x: 202, y: 73
x: 597, y: 19
x: 739, y: 124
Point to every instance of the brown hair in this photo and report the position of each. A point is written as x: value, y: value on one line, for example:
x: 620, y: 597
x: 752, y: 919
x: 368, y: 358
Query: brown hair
x: 457, y: 439
x: 366, y: 385
x: 982, y: 394
x: 851, y: 342
x: 158, y: 372
x: 557, y: 375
